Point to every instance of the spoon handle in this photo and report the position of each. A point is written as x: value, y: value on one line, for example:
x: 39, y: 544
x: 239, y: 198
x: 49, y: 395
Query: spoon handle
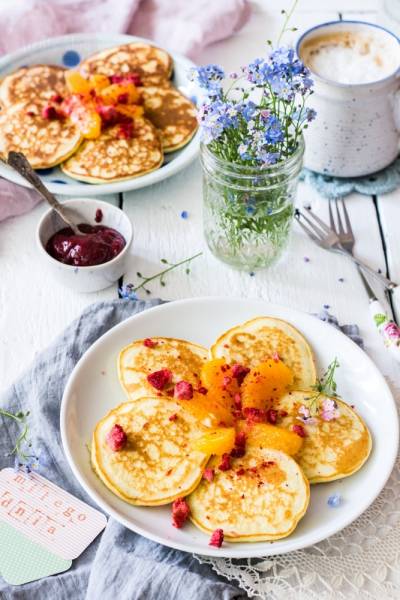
x: 20, y: 163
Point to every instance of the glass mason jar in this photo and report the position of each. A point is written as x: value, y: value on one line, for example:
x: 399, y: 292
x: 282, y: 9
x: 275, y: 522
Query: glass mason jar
x: 248, y: 211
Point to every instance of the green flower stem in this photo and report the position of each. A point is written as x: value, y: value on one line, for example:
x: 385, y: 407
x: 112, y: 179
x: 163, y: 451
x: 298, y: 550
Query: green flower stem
x: 326, y: 386
x: 22, y: 437
x: 161, y: 274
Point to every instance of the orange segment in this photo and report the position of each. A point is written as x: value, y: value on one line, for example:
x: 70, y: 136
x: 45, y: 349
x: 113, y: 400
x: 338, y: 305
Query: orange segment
x: 76, y: 83
x: 270, y: 436
x: 204, y: 407
x: 130, y: 110
x: 265, y: 384
x: 99, y: 82
x: 114, y: 93
x: 216, y: 441
x: 222, y: 387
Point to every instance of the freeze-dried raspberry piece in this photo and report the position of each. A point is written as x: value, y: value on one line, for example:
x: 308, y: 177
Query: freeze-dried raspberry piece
x: 125, y: 131
x: 183, y: 390
x: 173, y: 417
x: 225, y: 464
x: 237, y: 399
x: 216, y: 539
x: 160, y: 379
x: 239, y: 372
x: 128, y: 78
x: 208, y: 474
x: 116, y: 438
x: 299, y: 429
x: 202, y: 390
x: 237, y: 452
x: 180, y: 512
x: 149, y: 343
x: 240, y: 439
x: 255, y: 415
x: 272, y: 416
x: 49, y: 112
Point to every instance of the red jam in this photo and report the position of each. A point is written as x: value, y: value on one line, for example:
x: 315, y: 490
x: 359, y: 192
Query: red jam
x: 99, y: 245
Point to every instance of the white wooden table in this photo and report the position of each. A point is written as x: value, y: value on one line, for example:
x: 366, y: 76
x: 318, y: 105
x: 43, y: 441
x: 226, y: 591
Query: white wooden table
x: 34, y: 308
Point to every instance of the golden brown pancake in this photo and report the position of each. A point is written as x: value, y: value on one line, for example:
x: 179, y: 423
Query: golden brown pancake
x: 109, y: 158
x: 257, y: 340
x: 157, y: 464
x: 331, y: 449
x: 262, y: 497
x: 173, y: 115
x: 45, y: 142
x: 137, y: 360
x: 32, y: 84
x: 152, y: 64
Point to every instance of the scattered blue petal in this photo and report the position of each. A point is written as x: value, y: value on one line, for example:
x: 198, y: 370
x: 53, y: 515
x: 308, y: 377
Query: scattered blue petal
x: 326, y: 306
x: 341, y: 279
x: 127, y: 292
x: 335, y: 500
x: 71, y: 58
x: 184, y: 214
x: 306, y: 259
x: 251, y: 273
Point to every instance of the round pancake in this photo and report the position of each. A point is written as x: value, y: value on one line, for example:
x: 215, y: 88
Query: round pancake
x: 157, y: 465
x: 152, y: 64
x: 136, y: 361
x: 332, y: 449
x: 30, y: 84
x: 109, y: 158
x: 45, y: 142
x: 262, y: 497
x: 254, y: 341
x: 173, y: 115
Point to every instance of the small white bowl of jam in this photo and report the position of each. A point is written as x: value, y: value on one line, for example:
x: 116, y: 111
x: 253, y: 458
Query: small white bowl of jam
x: 96, y: 259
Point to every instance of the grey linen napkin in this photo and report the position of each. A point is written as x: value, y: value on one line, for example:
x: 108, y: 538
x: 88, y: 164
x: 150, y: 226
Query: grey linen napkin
x: 120, y: 565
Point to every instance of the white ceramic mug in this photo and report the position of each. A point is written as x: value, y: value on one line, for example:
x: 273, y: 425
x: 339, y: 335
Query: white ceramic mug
x: 356, y: 131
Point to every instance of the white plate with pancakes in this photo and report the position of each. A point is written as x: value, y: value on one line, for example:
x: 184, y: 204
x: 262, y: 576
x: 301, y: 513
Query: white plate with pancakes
x: 81, y: 177
x: 94, y: 390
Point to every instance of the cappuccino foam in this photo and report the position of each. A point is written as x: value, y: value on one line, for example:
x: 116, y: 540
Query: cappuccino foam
x: 351, y: 57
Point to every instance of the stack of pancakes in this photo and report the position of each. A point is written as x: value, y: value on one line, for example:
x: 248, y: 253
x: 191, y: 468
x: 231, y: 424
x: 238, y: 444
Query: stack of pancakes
x: 265, y: 492
x: 169, y: 120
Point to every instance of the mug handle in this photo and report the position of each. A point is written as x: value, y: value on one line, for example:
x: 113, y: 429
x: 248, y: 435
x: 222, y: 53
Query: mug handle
x: 395, y: 101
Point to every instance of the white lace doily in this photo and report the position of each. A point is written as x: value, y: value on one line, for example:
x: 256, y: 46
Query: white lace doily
x: 360, y: 562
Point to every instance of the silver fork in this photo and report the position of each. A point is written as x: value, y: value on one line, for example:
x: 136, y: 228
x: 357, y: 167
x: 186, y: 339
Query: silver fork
x: 340, y: 240
x: 380, y: 318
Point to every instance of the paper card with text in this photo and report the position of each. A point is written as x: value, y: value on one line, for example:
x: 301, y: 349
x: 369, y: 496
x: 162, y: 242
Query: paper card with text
x: 46, y: 514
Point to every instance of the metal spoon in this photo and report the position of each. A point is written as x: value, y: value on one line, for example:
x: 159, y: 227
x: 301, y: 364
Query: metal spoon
x: 19, y: 162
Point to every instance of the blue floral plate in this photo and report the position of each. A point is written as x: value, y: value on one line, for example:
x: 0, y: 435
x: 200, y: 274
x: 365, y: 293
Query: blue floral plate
x: 68, y: 51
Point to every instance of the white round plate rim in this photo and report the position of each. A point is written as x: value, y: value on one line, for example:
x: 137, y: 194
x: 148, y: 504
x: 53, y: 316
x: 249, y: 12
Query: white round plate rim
x: 242, y: 550
x: 185, y: 156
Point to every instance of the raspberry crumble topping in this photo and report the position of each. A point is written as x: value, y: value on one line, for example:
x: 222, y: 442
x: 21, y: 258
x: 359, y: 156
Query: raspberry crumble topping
x: 116, y: 438
x: 180, y: 512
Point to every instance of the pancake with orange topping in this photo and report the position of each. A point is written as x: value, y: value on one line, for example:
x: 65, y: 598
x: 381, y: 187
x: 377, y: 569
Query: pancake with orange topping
x: 152, y: 64
x: 262, y: 338
x: 46, y: 142
x: 142, y: 452
x: 261, y: 497
x: 336, y: 441
x: 172, y: 113
x: 117, y: 154
x: 184, y: 360
x: 32, y: 84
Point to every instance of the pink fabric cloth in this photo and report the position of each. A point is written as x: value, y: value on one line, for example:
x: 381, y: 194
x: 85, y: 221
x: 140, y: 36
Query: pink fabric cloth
x: 186, y: 26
